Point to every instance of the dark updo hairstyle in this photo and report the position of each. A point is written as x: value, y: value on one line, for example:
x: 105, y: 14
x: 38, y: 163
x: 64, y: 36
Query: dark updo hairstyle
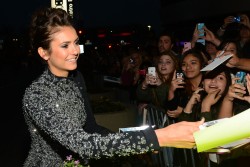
x: 45, y: 22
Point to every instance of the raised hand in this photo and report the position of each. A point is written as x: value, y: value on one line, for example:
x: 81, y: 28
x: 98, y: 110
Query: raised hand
x: 247, y: 98
x: 210, y: 100
x: 175, y: 84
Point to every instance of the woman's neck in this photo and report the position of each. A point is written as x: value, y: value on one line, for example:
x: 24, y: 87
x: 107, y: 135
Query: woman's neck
x: 165, y: 77
x: 195, y: 82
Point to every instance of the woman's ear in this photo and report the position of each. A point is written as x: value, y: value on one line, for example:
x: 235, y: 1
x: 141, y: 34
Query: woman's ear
x: 43, y: 53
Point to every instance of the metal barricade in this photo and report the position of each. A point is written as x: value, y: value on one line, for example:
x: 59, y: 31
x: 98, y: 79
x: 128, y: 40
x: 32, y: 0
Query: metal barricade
x: 155, y: 116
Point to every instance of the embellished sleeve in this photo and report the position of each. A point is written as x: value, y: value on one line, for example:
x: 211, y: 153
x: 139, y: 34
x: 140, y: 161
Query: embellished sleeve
x: 58, y: 115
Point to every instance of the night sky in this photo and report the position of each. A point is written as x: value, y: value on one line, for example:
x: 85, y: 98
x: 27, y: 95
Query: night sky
x: 17, y: 14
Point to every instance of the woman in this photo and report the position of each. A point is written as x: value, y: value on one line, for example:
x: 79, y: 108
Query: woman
x: 206, y: 102
x: 154, y: 89
x: 57, y: 112
x: 180, y: 92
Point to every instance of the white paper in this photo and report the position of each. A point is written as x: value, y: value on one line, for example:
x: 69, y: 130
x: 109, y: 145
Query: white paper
x: 216, y: 62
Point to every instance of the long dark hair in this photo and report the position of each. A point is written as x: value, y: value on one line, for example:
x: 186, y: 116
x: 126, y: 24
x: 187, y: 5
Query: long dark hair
x: 222, y: 68
x: 198, y: 55
x: 210, y: 75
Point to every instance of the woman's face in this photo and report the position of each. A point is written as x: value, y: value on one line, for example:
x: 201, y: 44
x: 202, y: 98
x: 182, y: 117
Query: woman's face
x: 166, y: 65
x: 231, y: 47
x: 191, y: 66
x: 64, y: 51
x: 218, y: 82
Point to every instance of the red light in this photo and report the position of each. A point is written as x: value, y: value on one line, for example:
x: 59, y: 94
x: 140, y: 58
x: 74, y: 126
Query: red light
x: 80, y: 31
x: 125, y: 34
x: 101, y: 35
x: 110, y: 46
x: 122, y: 34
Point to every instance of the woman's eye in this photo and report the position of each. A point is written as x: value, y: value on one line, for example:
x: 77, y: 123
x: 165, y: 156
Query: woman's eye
x: 220, y: 78
x: 193, y: 62
x: 64, y: 46
x: 77, y: 42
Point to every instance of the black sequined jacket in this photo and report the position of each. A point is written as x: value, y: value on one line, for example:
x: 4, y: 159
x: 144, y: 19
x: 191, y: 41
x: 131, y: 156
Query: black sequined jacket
x: 57, y: 114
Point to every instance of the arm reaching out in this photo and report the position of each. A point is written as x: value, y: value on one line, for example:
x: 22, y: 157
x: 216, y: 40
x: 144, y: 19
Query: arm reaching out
x: 178, y: 135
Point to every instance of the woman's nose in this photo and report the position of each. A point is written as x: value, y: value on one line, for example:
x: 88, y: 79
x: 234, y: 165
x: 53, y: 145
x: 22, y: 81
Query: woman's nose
x: 214, y: 80
x: 76, y: 49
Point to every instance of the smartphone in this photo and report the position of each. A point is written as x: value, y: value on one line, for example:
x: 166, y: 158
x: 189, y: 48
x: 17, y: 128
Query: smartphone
x: 200, y: 28
x: 152, y: 71
x: 180, y: 75
x: 242, y: 79
x: 187, y: 45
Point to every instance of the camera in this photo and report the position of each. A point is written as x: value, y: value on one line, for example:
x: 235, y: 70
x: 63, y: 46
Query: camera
x: 237, y: 19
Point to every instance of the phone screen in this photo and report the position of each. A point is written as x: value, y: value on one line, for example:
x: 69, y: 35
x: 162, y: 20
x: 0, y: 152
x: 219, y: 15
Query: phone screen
x: 237, y: 19
x: 151, y: 70
x: 242, y: 77
x: 187, y: 45
x: 200, y: 28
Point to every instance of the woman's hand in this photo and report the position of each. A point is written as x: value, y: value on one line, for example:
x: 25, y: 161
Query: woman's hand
x: 232, y: 61
x: 153, y: 80
x: 235, y: 91
x: 247, y: 98
x: 210, y: 100
x: 175, y: 84
x: 196, y: 96
x: 193, y: 100
x: 228, y: 20
x: 195, y: 36
x: 175, y: 113
x: 179, y: 135
x: 244, y: 20
x: 211, y: 37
